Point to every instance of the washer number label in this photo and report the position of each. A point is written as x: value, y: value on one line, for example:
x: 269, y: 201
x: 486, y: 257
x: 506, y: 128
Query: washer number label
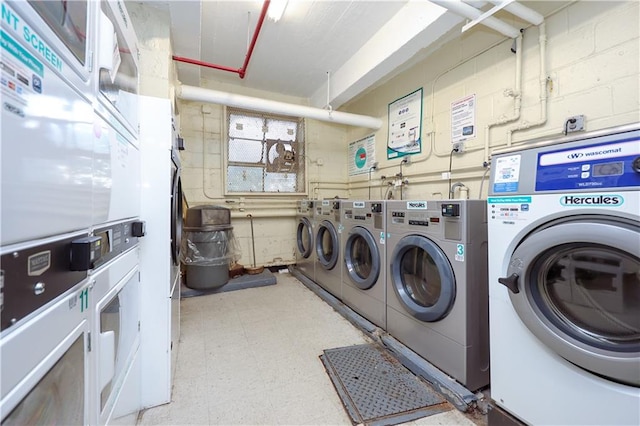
x: 460, y: 253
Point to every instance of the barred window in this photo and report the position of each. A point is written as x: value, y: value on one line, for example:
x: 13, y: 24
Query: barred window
x: 265, y: 153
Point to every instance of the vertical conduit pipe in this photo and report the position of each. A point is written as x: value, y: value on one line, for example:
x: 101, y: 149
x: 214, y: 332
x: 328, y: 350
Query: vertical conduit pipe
x: 240, y: 71
x: 517, y: 104
x: 542, y: 39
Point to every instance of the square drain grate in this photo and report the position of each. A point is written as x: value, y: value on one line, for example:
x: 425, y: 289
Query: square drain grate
x: 376, y: 389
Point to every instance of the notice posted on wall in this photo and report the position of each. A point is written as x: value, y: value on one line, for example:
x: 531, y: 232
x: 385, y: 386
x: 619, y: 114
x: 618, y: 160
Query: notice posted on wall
x: 405, y: 125
x: 463, y: 119
x: 362, y: 155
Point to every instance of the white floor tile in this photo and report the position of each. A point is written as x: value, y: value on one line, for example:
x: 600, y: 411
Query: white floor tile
x: 251, y: 357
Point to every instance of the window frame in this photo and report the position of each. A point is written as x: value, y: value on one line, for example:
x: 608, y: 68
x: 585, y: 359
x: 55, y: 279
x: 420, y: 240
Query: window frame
x: 302, y: 165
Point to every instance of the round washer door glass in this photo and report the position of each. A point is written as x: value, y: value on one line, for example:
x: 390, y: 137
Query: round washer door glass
x: 304, y: 237
x: 362, y: 258
x: 327, y: 245
x: 575, y: 284
x: 592, y: 291
x: 422, y: 278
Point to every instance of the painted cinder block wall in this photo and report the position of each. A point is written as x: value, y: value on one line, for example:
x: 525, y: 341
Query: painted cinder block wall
x: 157, y: 71
x: 203, y: 127
x: 593, y: 68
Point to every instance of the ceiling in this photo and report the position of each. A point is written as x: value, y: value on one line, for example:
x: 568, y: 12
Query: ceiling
x: 320, y: 50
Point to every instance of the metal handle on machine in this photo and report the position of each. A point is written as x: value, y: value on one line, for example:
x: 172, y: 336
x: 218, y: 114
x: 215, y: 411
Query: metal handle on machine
x: 511, y: 282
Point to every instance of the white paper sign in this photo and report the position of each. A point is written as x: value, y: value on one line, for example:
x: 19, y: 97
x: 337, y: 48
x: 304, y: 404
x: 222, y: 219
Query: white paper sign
x: 463, y: 119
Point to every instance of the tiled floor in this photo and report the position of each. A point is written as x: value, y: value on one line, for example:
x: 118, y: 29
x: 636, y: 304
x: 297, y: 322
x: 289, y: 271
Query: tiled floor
x: 250, y: 357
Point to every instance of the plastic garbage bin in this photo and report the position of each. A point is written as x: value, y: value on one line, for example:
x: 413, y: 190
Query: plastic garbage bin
x: 209, y: 246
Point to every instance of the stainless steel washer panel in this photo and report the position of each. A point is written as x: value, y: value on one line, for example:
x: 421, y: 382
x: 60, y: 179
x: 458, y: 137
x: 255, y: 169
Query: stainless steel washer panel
x: 439, y: 248
x: 364, y: 266
x: 328, y: 245
x: 305, y: 234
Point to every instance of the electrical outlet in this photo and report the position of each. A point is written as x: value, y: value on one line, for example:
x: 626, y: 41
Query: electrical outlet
x: 459, y: 146
x: 574, y: 124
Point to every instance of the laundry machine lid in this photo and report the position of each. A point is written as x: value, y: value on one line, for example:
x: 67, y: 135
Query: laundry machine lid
x: 362, y: 258
x: 304, y: 237
x: 578, y: 292
x: 327, y: 245
x: 422, y: 278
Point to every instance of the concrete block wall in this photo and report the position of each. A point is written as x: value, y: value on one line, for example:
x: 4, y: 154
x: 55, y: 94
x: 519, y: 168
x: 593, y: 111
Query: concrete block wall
x: 153, y: 28
x: 593, y: 65
x: 203, y: 130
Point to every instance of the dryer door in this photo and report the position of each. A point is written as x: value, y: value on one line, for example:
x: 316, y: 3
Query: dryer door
x: 327, y: 245
x: 304, y: 237
x: 575, y: 283
x: 362, y: 258
x: 422, y: 278
x: 176, y: 213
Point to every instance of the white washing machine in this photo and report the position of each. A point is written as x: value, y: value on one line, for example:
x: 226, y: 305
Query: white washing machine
x: 115, y: 317
x: 116, y: 163
x: 328, y: 246
x: 117, y: 66
x: 116, y: 173
x: 44, y: 341
x: 437, y: 302
x: 47, y: 139
x: 305, y: 231
x: 364, y: 253
x: 564, y: 279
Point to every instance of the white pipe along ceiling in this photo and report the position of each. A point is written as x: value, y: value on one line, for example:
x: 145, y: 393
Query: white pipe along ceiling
x: 348, y: 87
x: 199, y: 94
x: 471, y: 12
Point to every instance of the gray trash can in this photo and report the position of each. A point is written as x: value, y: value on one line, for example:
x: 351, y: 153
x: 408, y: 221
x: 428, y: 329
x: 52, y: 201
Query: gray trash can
x: 209, y: 247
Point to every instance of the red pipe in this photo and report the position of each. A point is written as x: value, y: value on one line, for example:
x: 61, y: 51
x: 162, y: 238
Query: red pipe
x: 204, y: 64
x: 265, y: 6
x: 240, y: 71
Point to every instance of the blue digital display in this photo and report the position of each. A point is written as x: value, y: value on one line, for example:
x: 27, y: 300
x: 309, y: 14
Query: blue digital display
x: 597, y: 166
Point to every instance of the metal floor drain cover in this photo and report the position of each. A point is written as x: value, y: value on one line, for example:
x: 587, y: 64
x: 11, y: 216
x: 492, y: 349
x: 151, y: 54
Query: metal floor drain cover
x: 376, y: 389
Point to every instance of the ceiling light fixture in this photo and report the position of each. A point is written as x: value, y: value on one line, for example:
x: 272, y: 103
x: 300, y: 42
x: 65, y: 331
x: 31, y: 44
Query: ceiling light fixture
x: 276, y: 9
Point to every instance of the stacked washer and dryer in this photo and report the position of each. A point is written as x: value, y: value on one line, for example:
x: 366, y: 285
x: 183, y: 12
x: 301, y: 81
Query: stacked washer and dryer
x: 70, y: 208
x: 564, y: 279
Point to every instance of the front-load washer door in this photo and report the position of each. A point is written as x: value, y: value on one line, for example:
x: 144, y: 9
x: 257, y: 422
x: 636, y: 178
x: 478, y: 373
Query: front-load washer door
x: 575, y: 283
x: 362, y: 258
x: 422, y: 278
x: 304, y: 237
x: 327, y: 245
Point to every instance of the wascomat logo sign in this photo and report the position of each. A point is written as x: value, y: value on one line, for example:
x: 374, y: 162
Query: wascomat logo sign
x: 592, y: 153
x: 416, y: 205
x: 592, y: 200
x: 358, y: 204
